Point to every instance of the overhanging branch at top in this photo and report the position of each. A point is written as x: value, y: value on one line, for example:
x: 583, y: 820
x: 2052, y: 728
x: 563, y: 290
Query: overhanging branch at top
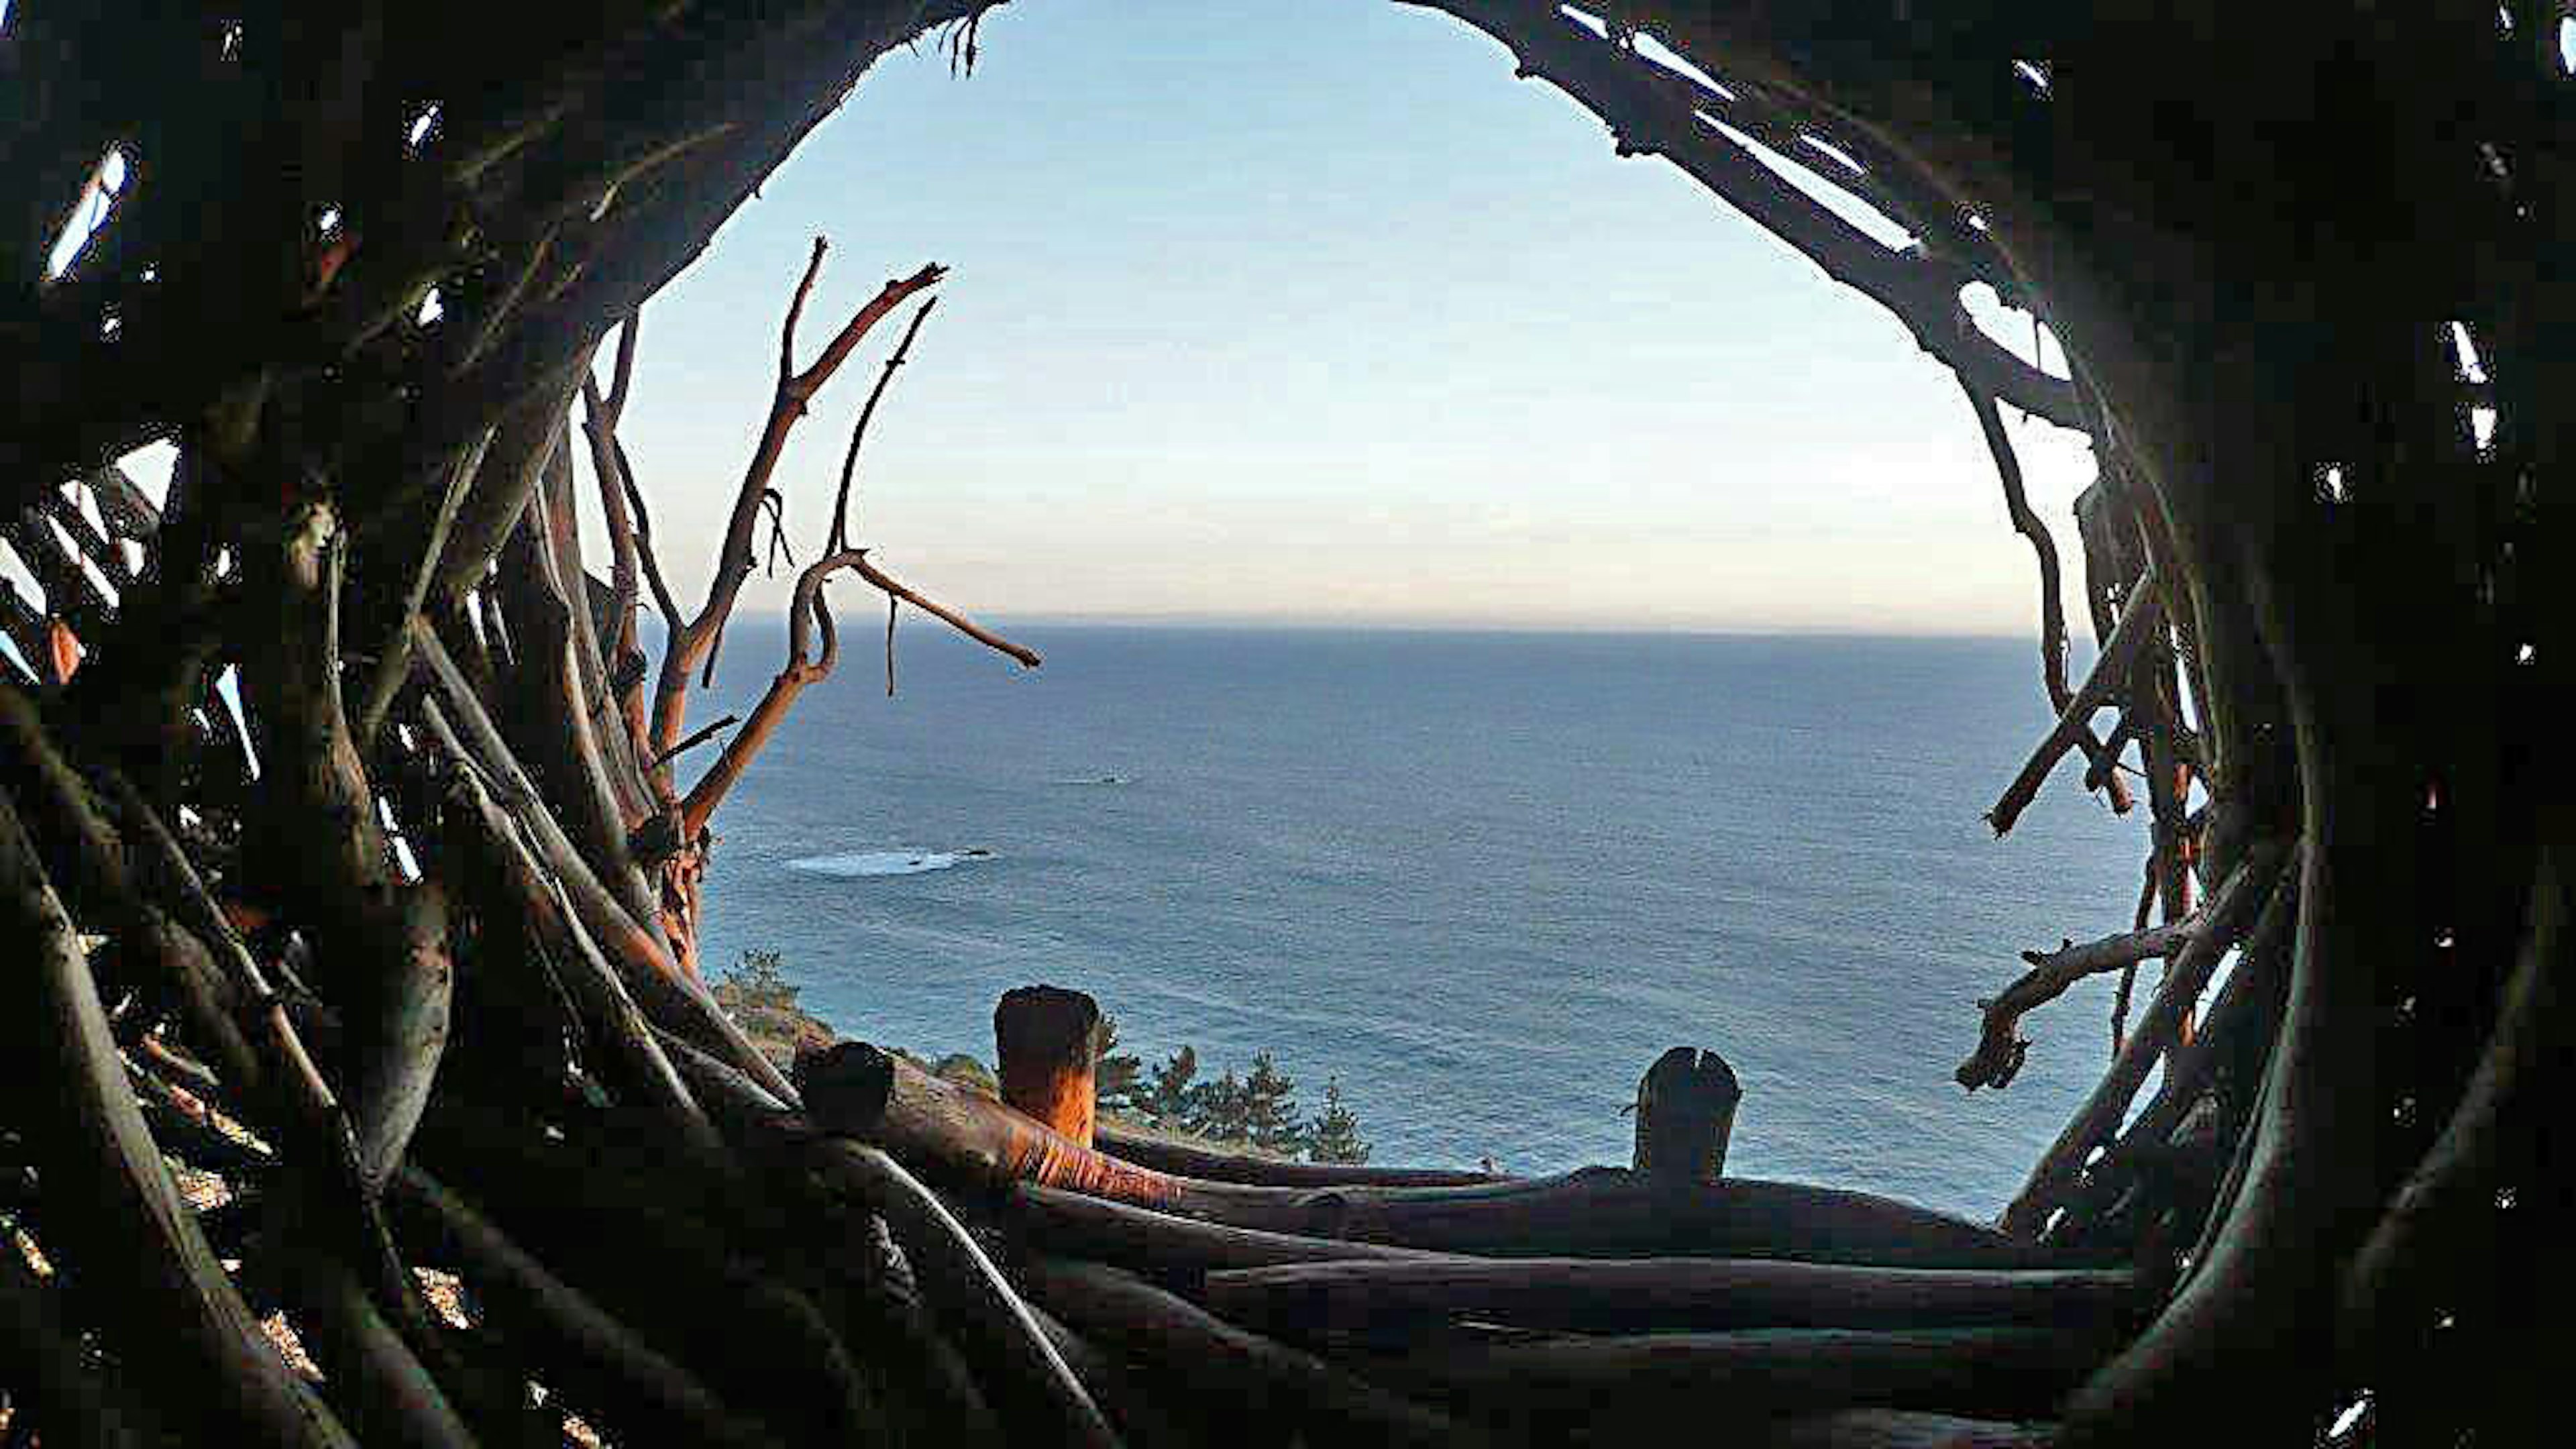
x: 1653, y: 110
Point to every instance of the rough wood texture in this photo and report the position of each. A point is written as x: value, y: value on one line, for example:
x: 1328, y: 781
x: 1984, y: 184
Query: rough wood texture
x: 1271, y: 1381
x: 1150, y: 1241
x: 856, y: 1089
x: 1183, y: 1160
x: 1742, y: 1380
x: 1685, y: 1116
x: 1046, y: 1041
x: 1398, y: 1297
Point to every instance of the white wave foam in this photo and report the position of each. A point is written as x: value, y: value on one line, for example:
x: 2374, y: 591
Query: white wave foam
x: 851, y: 865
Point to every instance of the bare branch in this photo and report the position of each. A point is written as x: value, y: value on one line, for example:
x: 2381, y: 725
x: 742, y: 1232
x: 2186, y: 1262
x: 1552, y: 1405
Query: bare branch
x: 937, y: 610
x: 2052, y: 603
x: 1998, y: 1054
x: 796, y: 311
x: 839, y: 538
x: 2138, y: 623
x: 697, y: 737
x: 2233, y: 909
x: 695, y: 645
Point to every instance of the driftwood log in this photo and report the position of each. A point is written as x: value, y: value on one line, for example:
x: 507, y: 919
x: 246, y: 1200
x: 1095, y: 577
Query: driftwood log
x: 1587, y: 1295
x: 1182, y: 1160
x: 859, y: 1090
x: 1046, y: 1041
x: 1685, y: 1116
x: 1266, y: 1379
x: 1743, y: 1381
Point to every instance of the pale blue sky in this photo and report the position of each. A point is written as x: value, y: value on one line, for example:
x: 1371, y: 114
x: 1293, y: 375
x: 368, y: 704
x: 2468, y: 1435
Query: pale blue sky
x: 1307, y: 310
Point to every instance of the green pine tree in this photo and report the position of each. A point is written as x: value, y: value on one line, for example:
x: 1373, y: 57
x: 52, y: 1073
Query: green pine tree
x: 1219, y: 1109
x: 1115, y: 1074
x: 1334, y: 1135
x: 1168, y: 1098
x: 1270, y: 1117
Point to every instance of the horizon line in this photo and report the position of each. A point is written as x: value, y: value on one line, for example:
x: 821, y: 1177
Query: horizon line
x: 1380, y: 624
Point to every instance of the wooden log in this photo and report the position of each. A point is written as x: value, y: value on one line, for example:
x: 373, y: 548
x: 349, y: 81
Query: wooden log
x: 1027, y: 1372
x: 1613, y: 1212
x: 1646, y: 1295
x: 967, y: 1290
x: 858, y: 1090
x: 1685, y: 1115
x: 570, y: 1337
x: 1046, y: 1041
x: 854, y: 1089
x: 1278, y: 1384
x: 1902, y: 1429
x: 109, y: 1207
x: 1184, y: 1160
x: 1141, y: 1404
x: 1161, y: 1243
x: 1608, y: 1387
x: 51, y: 1383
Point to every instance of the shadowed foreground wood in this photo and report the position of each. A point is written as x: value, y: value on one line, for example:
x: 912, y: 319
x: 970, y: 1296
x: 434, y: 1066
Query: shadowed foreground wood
x: 1586, y: 1295
x: 1900, y: 1429
x: 1150, y: 1241
x: 1613, y: 1386
x: 1270, y: 1380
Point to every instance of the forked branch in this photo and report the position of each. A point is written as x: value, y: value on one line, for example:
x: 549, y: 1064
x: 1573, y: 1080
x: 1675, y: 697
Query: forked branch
x: 693, y: 648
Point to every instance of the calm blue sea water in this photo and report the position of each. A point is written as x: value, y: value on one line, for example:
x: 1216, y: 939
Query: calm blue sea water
x: 1484, y: 879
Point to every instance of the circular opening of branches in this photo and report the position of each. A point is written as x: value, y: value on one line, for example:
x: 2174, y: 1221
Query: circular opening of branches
x: 367, y: 1088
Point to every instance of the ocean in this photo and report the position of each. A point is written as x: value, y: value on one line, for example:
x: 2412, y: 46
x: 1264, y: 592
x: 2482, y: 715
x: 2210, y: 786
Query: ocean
x: 1480, y: 879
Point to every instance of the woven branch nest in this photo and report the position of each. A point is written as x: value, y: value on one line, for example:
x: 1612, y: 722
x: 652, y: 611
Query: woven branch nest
x: 419, y: 996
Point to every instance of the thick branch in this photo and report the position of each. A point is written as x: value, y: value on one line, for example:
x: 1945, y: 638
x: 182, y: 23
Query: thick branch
x: 1630, y: 93
x: 1396, y: 1300
x: 112, y: 1205
x: 1270, y: 1379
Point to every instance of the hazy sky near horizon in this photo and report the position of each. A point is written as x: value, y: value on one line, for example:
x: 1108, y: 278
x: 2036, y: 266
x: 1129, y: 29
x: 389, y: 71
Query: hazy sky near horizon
x: 1309, y: 311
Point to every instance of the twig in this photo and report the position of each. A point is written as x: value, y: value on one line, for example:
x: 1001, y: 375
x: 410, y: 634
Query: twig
x: 2231, y: 910
x: 1998, y: 1054
x: 840, y: 535
x: 393, y: 661
x: 2052, y: 605
x: 698, y: 643
x: 663, y: 603
x: 943, y: 613
x: 696, y: 738
x: 2138, y: 623
x: 2129, y: 973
